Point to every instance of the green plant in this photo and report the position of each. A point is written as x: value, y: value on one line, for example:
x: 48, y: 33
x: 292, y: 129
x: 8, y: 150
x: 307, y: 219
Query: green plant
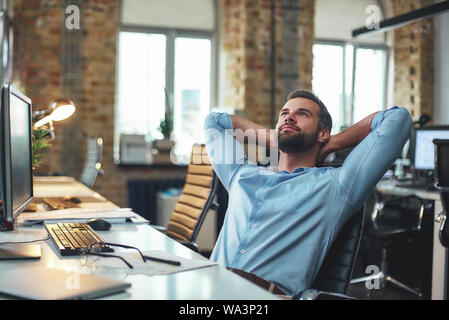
x: 40, y: 142
x: 166, y: 125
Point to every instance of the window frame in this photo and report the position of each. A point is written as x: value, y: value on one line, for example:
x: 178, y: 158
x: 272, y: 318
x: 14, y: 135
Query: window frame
x: 171, y: 34
x: 357, y: 45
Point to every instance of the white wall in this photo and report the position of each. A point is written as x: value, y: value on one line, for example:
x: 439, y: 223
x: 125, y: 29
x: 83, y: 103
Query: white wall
x: 441, y: 108
x: 335, y: 19
x: 183, y: 14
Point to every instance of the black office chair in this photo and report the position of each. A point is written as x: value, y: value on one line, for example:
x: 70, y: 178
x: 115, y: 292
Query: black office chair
x: 92, y: 166
x: 336, y: 270
x: 442, y: 185
x: 391, y: 220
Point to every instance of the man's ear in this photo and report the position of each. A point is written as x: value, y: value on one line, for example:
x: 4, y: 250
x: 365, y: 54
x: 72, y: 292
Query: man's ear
x: 324, y: 135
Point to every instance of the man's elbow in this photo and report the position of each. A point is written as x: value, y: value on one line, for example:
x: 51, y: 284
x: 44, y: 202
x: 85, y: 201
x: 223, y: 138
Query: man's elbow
x: 402, y: 122
x: 211, y: 117
x: 211, y: 121
x: 405, y: 117
x: 218, y: 120
x: 404, y: 125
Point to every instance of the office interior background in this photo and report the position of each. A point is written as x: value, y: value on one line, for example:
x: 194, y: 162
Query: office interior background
x: 130, y: 60
x: 203, y: 55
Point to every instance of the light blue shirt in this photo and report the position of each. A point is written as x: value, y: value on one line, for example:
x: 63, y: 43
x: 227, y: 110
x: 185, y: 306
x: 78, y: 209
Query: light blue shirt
x: 280, y: 225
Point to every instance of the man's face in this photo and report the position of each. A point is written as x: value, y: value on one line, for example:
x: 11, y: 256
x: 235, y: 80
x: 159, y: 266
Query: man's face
x: 297, y: 126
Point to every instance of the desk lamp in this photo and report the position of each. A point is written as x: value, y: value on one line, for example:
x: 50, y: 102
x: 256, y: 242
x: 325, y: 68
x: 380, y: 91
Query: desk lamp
x: 423, y: 119
x: 401, y: 162
x: 404, y: 160
x: 58, y: 110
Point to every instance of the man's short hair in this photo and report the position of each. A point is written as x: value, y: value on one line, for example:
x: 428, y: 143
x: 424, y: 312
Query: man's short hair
x: 325, y: 119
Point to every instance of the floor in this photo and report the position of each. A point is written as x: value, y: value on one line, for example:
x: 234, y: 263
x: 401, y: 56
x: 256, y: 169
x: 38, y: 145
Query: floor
x: 406, y: 263
x: 388, y: 292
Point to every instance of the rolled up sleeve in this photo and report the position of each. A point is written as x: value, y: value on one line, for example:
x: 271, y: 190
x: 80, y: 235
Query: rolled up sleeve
x: 372, y: 157
x: 225, y: 153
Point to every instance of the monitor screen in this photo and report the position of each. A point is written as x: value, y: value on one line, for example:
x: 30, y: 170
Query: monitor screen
x: 424, y: 157
x: 15, y: 154
x: 21, y: 177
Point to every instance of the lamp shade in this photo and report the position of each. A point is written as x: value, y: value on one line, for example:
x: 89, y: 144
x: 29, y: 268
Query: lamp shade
x: 61, y: 109
x: 58, y: 110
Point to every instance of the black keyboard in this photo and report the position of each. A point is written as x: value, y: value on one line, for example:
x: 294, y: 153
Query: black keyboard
x: 74, y: 238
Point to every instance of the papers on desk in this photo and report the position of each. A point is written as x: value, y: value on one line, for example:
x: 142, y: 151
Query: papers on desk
x: 150, y: 268
x: 117, y: 215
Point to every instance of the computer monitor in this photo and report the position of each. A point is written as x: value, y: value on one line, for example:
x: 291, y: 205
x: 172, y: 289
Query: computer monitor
x: 15, y: 154
x: 424, y: 149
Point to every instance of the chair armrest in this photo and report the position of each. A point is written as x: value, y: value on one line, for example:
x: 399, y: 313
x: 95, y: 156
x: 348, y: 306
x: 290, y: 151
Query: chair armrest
x: 215, y: 206
x: 440, y: 188
x: 313, y: 294
x: 380, y: 205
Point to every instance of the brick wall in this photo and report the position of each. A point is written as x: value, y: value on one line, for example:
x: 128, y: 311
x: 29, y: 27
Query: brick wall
x: 50, y: 62
x: 234, y: 16
x: 247, y: 45
x: 306, y: 39
x: 414, y: 61
x: 99, y: 54
x: 36, y: 64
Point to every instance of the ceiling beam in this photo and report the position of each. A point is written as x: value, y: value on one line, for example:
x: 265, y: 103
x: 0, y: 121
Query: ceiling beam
x: 403, y: 19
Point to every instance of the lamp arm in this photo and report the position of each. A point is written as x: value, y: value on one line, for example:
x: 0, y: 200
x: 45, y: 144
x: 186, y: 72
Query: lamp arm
x: 39, y: 114
x: 49, y: 132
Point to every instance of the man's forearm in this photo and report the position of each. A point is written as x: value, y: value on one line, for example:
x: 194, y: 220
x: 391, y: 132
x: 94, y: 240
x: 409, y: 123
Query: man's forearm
x: 260, y: 133
x: 353, y: 135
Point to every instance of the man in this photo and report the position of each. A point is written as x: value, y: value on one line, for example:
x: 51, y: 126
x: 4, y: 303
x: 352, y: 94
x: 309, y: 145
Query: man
x: 279, y: 225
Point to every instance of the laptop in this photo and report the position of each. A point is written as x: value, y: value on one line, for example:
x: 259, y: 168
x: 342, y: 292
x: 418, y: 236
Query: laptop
x: 20, y: 252
x: 41, y: 283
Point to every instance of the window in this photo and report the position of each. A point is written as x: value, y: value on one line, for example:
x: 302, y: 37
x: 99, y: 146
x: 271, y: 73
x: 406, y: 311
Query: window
x: 141, y: 83
x: 370, y: 81
x: 192, y: 88
x: 328, y: 81
x: 350, y: 79
x: 165, y: 60
x: 160, y: 69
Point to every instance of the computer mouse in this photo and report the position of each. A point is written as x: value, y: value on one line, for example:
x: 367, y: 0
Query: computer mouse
x: 72, y: 199
x: 75, y: 200
x: 99, y: 224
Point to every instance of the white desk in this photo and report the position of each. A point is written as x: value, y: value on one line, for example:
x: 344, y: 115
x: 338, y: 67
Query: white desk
x: 440, y: 254
x: 210, y: 283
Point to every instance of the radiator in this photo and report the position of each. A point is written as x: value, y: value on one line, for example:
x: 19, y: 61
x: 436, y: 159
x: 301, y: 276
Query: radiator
x: 142, y: 195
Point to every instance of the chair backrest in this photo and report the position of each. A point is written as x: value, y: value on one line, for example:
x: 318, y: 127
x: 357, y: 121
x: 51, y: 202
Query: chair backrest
x: 196, y: 198
x: 393, y: 215
x: 442, y: 161
x: 92, y: 165
x: 336, y: 270
x: 442, y: 174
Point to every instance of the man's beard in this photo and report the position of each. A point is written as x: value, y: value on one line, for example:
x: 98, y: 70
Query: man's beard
x: 296, y: 143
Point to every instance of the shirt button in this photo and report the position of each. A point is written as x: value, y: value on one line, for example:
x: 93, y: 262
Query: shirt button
x: 242, y: 251
x: 251, y: 226
x: 259, y: 203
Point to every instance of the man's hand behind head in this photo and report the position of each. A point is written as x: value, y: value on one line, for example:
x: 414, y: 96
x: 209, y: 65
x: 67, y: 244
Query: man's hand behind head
x: 325, y: 150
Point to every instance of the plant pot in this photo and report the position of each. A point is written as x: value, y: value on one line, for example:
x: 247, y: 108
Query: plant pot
x: 164, y: 145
